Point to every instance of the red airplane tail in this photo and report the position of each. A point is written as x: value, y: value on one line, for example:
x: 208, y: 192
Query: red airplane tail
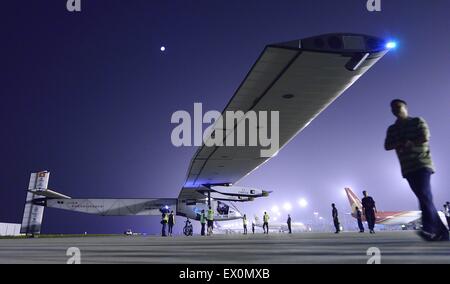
x: 353, y: 200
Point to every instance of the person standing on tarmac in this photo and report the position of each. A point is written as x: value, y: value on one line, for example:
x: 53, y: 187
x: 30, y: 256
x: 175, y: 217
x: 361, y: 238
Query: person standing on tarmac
x: 210, y: 218
x: 253, y: 228
x: 447, y: 214
x: 448, y: 208
x: 164, y: 221
x: 245, y: 223
x: 266, y: 219
x: 359, y: 218
x: 369, y: 211
x: 410, y: 138
x: 171, y: 222
x: 289, y: 223
x: 203, y: 222
x: 335, y: 216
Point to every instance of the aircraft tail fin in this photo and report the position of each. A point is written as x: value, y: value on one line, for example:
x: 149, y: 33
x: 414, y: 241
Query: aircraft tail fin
x: 354, y: 200
x: 34, y: 212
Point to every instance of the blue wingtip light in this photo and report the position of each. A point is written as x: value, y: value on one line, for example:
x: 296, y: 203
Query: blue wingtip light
x: 391, y: 45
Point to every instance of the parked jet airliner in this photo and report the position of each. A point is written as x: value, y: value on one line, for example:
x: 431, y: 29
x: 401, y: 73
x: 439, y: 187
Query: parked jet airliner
x: 401, y: 218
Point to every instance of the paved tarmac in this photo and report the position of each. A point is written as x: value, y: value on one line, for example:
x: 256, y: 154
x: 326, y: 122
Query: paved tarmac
x: 395, y: 247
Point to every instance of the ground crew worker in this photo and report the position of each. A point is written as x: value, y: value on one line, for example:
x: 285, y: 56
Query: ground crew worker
x: 266, y: 218
x: 369, y: 211
x: 171, y: 222
x: 245, y: 223
x: 164, y: 221
x: 335, y: 215
x: 203, y: 222
x: 289, y: 223
x: 210, y: 218
x: 253, y: 228
x: 359, y: 218
x: 410, y: 137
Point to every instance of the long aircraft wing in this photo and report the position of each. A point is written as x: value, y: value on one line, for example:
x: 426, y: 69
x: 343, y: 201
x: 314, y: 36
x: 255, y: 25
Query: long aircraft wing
x: 300, y: 79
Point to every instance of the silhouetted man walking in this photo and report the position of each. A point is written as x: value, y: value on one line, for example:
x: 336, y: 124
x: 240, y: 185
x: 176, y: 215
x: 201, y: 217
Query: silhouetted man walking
x: 369, y: 211
x: 409, y: 137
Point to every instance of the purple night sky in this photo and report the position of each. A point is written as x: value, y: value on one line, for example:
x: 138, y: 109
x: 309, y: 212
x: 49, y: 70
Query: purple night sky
x: 89, y: 96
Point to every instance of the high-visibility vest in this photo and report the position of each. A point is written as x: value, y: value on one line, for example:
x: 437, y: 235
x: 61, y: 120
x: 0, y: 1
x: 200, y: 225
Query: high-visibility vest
x: 202, y: 218
x: 211, y: 215
x: 266, y: 218
x: 166, y: 218
x: 245, y: 222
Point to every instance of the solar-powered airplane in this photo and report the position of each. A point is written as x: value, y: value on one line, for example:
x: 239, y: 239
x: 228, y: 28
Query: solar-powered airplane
x: 299, y: 79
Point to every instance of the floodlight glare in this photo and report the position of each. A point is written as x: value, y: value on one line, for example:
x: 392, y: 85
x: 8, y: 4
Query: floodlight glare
x: 391, y: 45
